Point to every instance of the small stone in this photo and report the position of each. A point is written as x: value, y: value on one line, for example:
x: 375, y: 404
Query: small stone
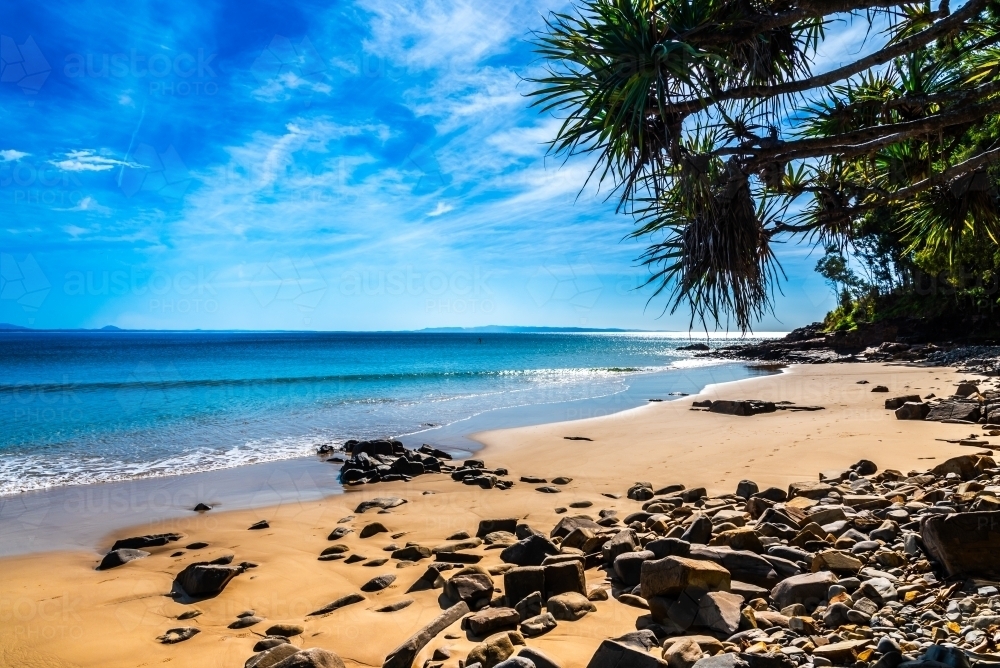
x: 284, y: 630
x: 378, y: 583
x: 538, y: 625
x: 570, y: 606
x: 177, y: 635
x: 372, y: 529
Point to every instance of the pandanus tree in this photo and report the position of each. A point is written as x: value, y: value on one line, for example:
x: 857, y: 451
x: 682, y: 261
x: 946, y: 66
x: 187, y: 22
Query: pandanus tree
x: 710, y: 123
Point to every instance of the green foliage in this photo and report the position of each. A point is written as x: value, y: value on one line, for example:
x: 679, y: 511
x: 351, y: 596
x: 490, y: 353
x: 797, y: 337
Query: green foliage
x: 705, y: 118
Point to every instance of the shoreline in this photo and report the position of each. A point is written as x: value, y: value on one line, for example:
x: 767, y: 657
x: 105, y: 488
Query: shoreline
x: 29, y: 523
x: 68, y: 607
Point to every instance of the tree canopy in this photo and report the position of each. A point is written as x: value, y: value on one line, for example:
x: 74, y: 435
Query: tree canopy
x: 713, y: 130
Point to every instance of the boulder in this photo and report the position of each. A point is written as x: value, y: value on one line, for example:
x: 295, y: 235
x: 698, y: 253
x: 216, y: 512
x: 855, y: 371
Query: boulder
x: 538, y: 658
x: 284, y: 630
x: 744, y: 407
x: 613, y: 654
x: 315, y: 657
x: 492, y: 651
x: 530, y: 551
x: 563, y: 577
x: 722, y: 661
x: 202, y: 579
x: 965, y: 466
x: 742, y: 565
x: 372, y: 529
x: 672, y: 575
x: 746, y: 488
x: 720, y: 612
x: 809, y: 589
x: 570, y: 606
x: 896, y: 402
x: 965, y: 544
x: 378, y: 583
x: 967, y: 411
x: 489, y: 620
x: 472, y: 584
x: 836, y: 561
x: 404, y: 655
x: 809, y: 489
x: 683, y: 653
x: 508, y: 524
x: 913, y: 410
x: 120, y: 557
x: 567, y: 525
x: 530, y: 605
x: 412, y: 553
x: 538, y: 625
x: 628, y: 566
x: 383, y: 503
x: 519, y: 583
x: 271, y: 656
x: 699, y: 531
x: 151, y: 540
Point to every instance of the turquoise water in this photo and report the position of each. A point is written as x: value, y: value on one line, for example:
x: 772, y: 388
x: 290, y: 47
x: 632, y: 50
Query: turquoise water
x: 82, y: 407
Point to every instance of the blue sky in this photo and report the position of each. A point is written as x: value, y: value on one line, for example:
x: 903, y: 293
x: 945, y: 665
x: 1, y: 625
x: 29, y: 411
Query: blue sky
x: 302, y: 165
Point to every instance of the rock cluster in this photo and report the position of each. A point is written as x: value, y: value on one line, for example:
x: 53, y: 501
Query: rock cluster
x: 858, y: 568
x: 972, y: 402
x: 388, y: 461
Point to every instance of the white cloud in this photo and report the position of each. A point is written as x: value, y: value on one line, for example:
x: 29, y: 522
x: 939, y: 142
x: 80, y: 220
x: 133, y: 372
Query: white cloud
x: 10, y: 155
x: 441, y: 209
x: 88, y: 160
x: 126, y: 100
x: 88, y: 203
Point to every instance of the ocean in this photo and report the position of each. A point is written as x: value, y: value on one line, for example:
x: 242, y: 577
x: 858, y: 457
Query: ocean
x: 86, y: 407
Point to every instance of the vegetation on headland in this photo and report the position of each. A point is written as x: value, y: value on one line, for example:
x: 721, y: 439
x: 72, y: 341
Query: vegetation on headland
x: 708, y: 122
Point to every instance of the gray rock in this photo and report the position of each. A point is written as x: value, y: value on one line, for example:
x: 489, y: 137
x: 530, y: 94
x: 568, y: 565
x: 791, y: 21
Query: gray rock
x: 201, y: 579
x: 270, y: 657
x: 538, y: 625
x: 120, y: 557
x: 722, y: 661
x: 964, y: 543
x: 404, y: 655
x: 628, y: 566
x: 529, y: 552
x: 529, y: 606
x: 316, y: 657
x: 538, y: 658
x: 570, y: 606
x: 518, y: 583
x: 808, y: 589
x: 611, y: 654
x: 700, y: 531
x: 180, y: 634
x: 378, y: 583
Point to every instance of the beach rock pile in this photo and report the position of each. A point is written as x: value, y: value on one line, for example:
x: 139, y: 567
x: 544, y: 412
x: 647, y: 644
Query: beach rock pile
x: 856, y: 568
x: 972, y: 402
x: 984, y: 360
x: 388, y: 461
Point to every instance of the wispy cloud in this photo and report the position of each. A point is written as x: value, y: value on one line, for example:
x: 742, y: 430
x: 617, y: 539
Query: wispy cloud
x: 440, y: 209
x: 90, y: 161
x: 87, y: 204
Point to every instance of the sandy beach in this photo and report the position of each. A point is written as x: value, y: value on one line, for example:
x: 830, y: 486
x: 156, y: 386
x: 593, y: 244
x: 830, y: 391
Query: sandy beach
x: 57, y: 610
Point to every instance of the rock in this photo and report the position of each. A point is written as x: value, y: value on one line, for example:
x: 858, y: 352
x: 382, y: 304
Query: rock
x: 840, y: 652
x: 412, y: 553
x: 896, y: 402
x: 201, y: 579
x: 378, y: 583
x: 569, y: 606
x: 267, y: 658
x: 372, y: 529
x: 966, y: 467
x: 489, y: 620
x: 538, y: 625
x: 339, y: 533
x: 633, y: 600
x: 744, y: 407
x: 808, y: 589
x: 563, y: 577
x: 562, y: 480
x: 746, y: 489
x: 244, y: 622
x: 472, y: 584
x: 337, y: 604
x: 395, y: 607
x: 538, y: 658
x: 669, y: 547
x: 913, y: 410
x: 530, y: 605
x: 880, y: 388
x: 316, y: 657
x: 743, y: 538
x: 548, y: 490
x: 682, y: 654
x: 611, y: 654
x: 268, y: 643
x: 516, y: 662
x: 644, y: 639
x: 119, y: 557
x: 261, y: 524
x: 629, y: 565
x: 809, y: 489
x: 836, y: 561
x: 201, y: 508
x: 284, y: 630
x: 722, y: 661
x: 519, y: 583
x: 404, y: 655
x: 640, y: 492
x: 491, y: 651
x: 151, y: 540
x: 568, y: 525
x: 699, y: 531
x: 179, y: 634
x: 672, y: 575
x: 966, y: 411
x: 720, y: 612
x: 383, y: 503
x: 508, y: 524
x: 529, y: 552
x: 964, y: 543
